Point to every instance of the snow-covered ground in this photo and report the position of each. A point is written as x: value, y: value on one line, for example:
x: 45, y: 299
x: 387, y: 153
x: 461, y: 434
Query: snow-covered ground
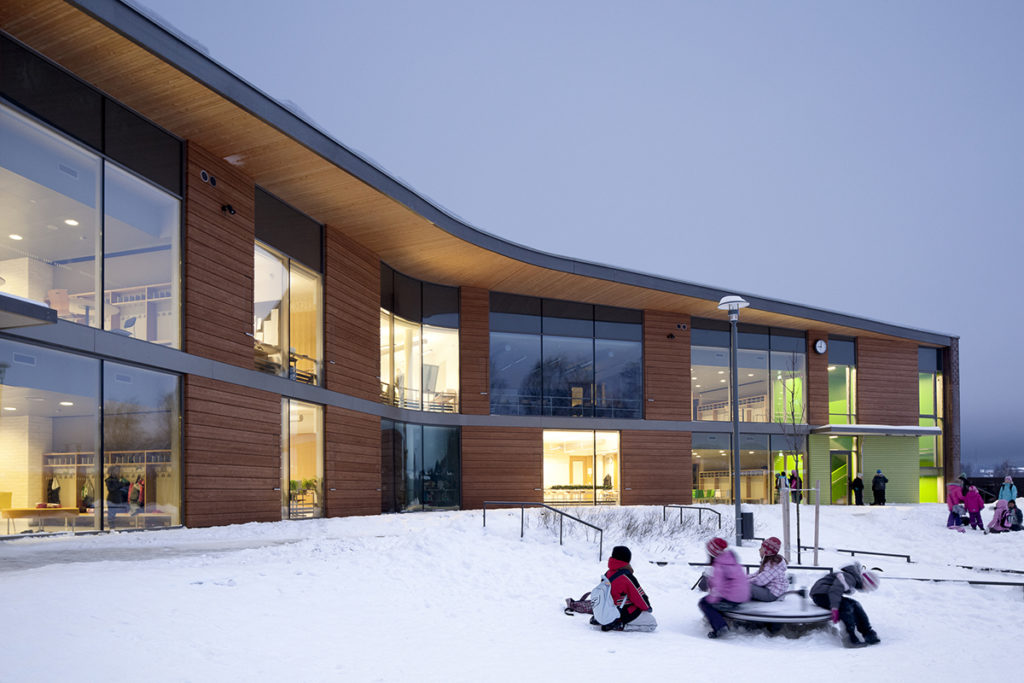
x: 438, y: 597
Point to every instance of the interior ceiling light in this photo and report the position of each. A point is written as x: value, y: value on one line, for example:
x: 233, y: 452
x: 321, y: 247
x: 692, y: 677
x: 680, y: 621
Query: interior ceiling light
x: 70, y: 221
x: 67, y: 403
x: 16, y: 237
x: 9, y: 408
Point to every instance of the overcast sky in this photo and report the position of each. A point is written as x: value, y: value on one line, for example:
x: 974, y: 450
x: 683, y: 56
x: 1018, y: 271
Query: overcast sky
x: 862, y: 157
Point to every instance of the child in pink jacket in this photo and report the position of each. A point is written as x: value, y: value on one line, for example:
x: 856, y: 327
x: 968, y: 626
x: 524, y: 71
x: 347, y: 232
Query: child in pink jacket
x: 975, y: 504
x: 727, y: 585
x: 954, y: 498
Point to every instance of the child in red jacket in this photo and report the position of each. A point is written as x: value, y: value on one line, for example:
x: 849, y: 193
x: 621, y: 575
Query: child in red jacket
x: 633, y: 603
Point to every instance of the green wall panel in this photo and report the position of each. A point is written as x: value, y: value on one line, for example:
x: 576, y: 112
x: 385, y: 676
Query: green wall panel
x: 897, y: 457
x: 818, y: 444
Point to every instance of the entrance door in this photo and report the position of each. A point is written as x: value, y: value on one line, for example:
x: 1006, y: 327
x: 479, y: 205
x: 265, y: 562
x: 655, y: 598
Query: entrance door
x: 840, y: 463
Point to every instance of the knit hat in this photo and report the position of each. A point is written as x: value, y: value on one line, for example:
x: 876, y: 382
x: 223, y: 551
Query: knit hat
x: 770, y: 546
x: 878, y: 471
x: 1008, y: 479
x: 716, y: 546
x: 622, y: 554
x: 869, y: 581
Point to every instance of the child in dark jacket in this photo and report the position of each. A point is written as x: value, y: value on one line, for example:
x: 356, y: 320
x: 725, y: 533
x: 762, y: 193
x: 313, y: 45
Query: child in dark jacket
x: 633, y: 603
x: 830, y: 591
x: 727, y: 586
x: 1015, y: 516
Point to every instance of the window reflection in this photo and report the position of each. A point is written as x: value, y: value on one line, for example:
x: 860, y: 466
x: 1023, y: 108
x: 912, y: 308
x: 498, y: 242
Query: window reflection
x: 421, y: 467
x: 515, y: 372
x: 568, y: 376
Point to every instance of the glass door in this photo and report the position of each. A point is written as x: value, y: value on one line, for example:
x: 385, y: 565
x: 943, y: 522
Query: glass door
x: 302, y: 460
x: 840, y: 465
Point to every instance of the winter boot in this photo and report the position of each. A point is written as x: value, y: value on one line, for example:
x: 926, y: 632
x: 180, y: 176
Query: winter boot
x: 616, y: 625
x: 871, y: 638
x: 852, y: 640
x: 718, y: 632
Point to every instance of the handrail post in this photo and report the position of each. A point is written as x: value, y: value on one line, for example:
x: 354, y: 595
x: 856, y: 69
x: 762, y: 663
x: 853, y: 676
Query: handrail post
x: 485, y: 513
x: 522, y: 520
x: 561, y: 524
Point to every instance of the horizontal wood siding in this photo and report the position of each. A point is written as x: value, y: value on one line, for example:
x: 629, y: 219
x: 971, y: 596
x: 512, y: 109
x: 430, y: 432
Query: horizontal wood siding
x: 232, y: 456
x: 502, y: 463
x: 656, y: 468
x: 666, y: 366
x: 817, y: 380
x: 352, y: 462
x: 887, y: 390
x: 351, y: 318
x: 475, y: 350
x: 218, y: 261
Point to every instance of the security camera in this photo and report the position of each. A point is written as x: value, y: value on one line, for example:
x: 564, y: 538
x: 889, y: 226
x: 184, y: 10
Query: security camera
x: 228, y: 209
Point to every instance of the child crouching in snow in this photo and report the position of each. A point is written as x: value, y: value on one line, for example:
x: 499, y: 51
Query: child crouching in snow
x: 1016, y: 517
x: 830, y: 591
x: 1000, y: 518
x: 770, y: 581
x: 727, y: 586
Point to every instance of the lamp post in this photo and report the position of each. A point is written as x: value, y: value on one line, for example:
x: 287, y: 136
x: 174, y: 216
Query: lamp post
x: 733, y: 304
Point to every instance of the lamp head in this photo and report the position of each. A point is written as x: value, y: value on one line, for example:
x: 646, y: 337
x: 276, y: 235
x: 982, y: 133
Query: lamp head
x: 732, y: 303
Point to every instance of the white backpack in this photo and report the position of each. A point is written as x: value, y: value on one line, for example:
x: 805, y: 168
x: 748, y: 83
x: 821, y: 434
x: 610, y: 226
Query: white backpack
x: 605, y: 610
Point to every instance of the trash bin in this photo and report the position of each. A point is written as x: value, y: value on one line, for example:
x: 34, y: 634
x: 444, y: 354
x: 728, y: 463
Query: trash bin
x: 747, y: 525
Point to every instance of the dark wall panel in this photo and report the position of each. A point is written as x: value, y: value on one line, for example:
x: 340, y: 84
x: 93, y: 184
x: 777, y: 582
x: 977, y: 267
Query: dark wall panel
x: 352, y: 462
x: 475, y: 350
x: 232, y: 458
x: 218, y: 258
x: 887, y: 391
x: 656, y: 468
x: 666, y: 366
x: 502, y: 463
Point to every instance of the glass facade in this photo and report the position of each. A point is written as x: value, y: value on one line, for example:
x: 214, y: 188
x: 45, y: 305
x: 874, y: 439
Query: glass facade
x: 930, y: 401
x: 581, y: 467
x: 420, y: 467
x: 121, y: 470
x: 842, y: 381
x: 287, y: 317
x: 59, y: 246
x: 844, y: 465
x: 771, y: 373
x: 302, y: 460
x: 562, y: 358
x: 419, y: 344
x: 762, y: 459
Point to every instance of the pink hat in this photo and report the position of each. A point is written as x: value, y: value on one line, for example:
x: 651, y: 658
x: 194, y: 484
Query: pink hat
x: 716, y: 546
x: 771, y: 546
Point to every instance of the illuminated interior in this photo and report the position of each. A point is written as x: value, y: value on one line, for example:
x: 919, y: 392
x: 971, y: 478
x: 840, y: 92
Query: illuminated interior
x: 581, y: 467
x: 302, y: 460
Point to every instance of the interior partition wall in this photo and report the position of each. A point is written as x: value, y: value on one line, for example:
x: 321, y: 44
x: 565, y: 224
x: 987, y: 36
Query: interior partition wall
x: 63, y: 464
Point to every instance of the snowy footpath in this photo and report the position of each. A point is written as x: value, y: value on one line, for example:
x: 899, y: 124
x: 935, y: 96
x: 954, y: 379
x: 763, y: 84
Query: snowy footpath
x: 438, y: 597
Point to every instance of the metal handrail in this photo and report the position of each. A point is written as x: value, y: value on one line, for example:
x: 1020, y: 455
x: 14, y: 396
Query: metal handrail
x: 700, y: 513
x: 868, y: 552
x: 561, y: 518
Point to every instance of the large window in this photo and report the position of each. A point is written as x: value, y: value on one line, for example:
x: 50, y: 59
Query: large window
x: 286, y: 317
x: 581, y: 467
x: 121, y: 471
x: 930, y: 398
x: 771, y: 373
x: 421, y: 467
x: 56, y: 245
x: 842, y: 381
x: 564, y: 358
x: 763, y: 459
x: 302, y: 460
x: 419, y: 344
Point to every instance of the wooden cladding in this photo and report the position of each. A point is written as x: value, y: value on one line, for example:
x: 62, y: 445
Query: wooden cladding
x: 218, y: 282
x: 352, y: 463
x: 656, y: 468
x: 666, y: 366
x: 817, y: 380
x: 475, y: 350
x: 951, y: 410
x: 351, y: 318
x: 232, y: 454
x: 502, y: 463
x: 887, y: 389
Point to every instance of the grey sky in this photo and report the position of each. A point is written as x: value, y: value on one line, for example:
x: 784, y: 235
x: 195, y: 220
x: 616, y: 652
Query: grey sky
x: 863, y: 157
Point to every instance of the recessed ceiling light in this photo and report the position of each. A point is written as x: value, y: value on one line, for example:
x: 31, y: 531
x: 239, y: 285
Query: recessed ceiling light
x: 16, y: 237
x: 721, y: 372
x: 70, y: 221
x: 67, y: 403
x: 721, y: 380
x: 9, y: 408
x: 831, y: 368
x: 698, y: 386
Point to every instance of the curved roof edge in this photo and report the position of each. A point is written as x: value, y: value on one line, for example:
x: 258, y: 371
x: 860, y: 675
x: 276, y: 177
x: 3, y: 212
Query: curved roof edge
x: 168, y: 45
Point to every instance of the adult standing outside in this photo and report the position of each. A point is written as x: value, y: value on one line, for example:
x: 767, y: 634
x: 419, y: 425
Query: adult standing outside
x: 1007, y: 490
x: 878, y: 483
x: 857, y: 486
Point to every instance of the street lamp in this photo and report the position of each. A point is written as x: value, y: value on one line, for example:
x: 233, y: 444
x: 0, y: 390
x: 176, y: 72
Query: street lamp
x: 733, y: 304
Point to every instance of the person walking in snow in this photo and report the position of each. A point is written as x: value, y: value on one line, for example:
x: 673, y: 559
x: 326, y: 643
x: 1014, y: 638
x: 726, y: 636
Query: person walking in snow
x: 954, y: 501
x: 878, y: 483
x: 1007, y: 490
x: 631, y: 599
x: 857, y: 486
x: 1016, y: 516
x: 770, y: 581
x: 830, y: 591
x: 975, y: 504
x: 1000, y: 518
x: 727, y: 585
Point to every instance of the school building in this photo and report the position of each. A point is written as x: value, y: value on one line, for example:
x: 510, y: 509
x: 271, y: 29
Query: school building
x: 211, y: 312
